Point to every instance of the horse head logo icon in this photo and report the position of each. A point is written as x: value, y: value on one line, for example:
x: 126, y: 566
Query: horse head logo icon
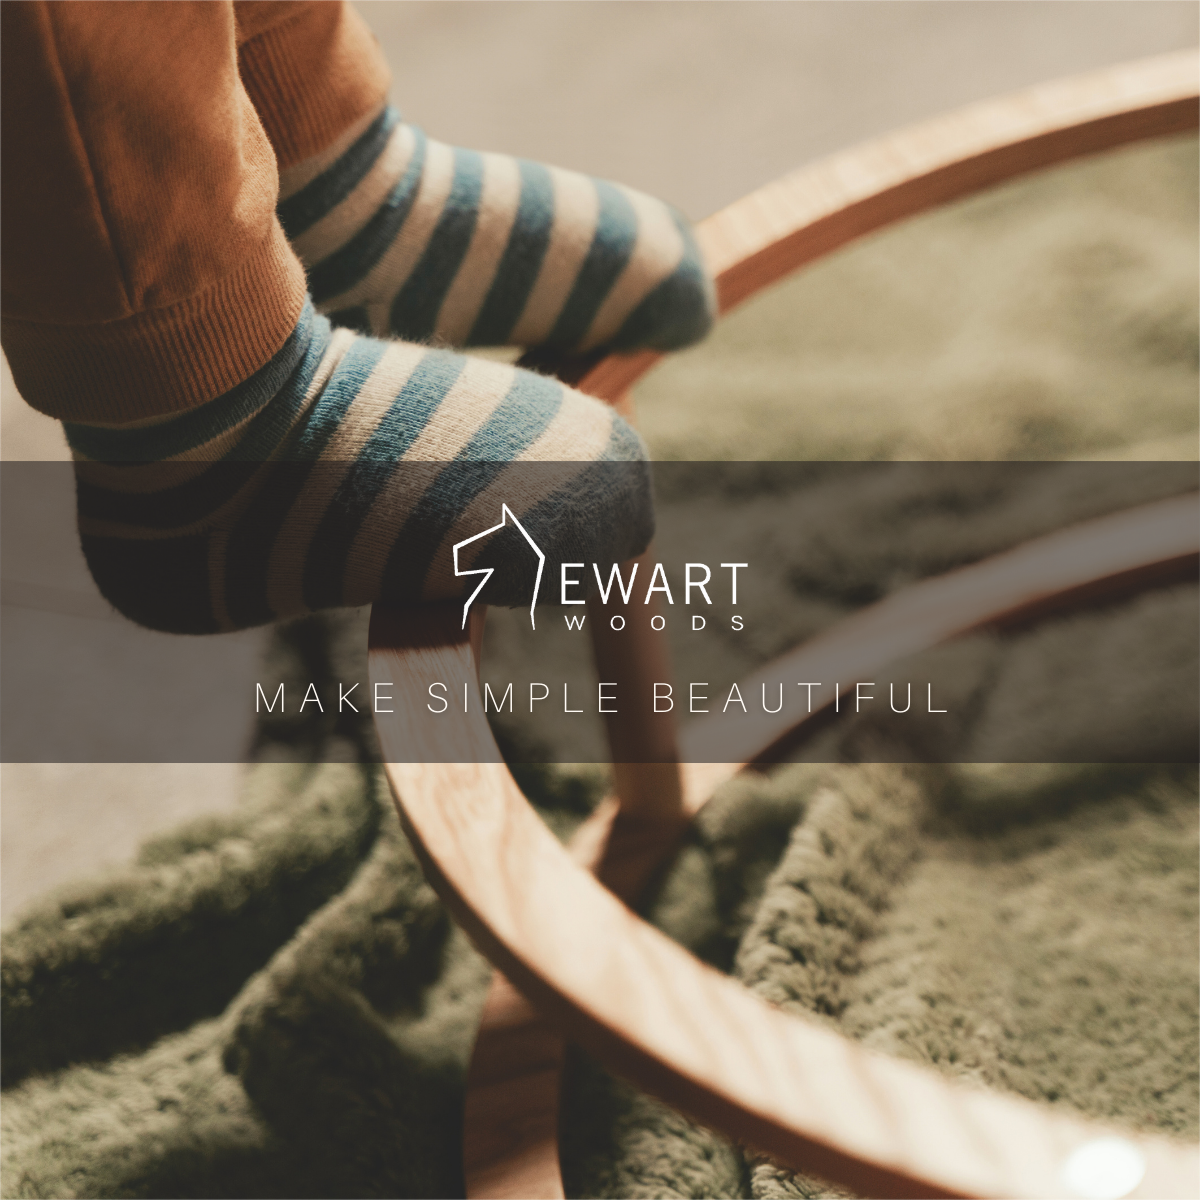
x: 506, y: 514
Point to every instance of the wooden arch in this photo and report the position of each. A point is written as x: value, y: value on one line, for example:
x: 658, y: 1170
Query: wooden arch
x: 636, y: 1000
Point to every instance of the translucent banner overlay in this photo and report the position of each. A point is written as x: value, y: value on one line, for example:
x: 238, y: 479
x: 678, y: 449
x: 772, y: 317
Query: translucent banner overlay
x: 946, y: 612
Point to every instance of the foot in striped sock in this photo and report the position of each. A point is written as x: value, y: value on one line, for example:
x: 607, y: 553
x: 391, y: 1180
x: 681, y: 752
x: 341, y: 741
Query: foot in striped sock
x: 344, y: 472
x: 403, y: 235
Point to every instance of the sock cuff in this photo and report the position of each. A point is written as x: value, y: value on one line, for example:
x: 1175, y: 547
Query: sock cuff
x: 167, y: 360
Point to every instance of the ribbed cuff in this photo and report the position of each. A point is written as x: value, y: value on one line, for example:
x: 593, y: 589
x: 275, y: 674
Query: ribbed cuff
x: 311, y: 77
x: 166, y: 360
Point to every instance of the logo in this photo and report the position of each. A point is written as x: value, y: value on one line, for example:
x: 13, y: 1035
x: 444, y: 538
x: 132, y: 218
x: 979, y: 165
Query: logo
x: 505, y: 514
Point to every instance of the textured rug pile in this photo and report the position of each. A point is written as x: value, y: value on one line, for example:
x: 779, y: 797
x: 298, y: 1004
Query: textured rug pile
x: 275, y: 1003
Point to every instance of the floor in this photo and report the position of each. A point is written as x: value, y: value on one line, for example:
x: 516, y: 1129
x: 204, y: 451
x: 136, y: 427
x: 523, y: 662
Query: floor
x: 698, y: 101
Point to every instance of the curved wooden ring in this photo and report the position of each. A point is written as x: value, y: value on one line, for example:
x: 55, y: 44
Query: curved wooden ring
x: 817, y: 209
x: 634, y: 997
x: 681, y: 1030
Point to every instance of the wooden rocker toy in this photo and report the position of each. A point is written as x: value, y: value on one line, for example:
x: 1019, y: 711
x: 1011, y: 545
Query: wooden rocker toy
x: 635, y: 1000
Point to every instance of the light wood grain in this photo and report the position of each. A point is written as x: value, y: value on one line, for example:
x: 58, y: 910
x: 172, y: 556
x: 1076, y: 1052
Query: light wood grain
x: 613, y: 983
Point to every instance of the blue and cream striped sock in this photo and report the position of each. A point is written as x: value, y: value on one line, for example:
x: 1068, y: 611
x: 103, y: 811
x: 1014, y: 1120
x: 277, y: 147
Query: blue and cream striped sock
x: 405, y: 236
x: 343, y: 472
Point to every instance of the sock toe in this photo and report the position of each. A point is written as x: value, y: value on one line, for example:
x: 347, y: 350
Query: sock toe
x: 406, y: 236
x: 679, y: 311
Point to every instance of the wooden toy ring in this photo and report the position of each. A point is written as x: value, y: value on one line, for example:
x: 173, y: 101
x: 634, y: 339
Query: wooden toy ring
x: 612, y: 983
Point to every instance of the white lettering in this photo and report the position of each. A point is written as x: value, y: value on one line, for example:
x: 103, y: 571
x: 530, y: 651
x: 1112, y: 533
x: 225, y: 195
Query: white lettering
x: 689, y: 582
x: 733, y: 568
x: 663, y: 587
x: 615, y: 573
x: 566, y: 582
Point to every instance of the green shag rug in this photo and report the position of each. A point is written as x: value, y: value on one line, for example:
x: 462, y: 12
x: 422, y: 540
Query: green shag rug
x: 274, y: 1003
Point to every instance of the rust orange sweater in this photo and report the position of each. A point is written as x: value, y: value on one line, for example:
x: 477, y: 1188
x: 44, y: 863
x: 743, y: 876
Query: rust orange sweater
x: 144, y: 271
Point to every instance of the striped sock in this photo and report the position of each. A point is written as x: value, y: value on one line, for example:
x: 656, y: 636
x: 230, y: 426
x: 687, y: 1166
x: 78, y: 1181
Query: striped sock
x: 342, y: 473
x: 403, y: 235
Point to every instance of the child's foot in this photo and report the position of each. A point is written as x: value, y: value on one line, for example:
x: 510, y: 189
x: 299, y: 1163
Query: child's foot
x: 403, y: 235
x: 344, y: 472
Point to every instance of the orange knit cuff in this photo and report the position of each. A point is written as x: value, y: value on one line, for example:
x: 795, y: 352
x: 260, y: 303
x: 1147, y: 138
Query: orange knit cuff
x: 165, y: 360
x: 310, y: 75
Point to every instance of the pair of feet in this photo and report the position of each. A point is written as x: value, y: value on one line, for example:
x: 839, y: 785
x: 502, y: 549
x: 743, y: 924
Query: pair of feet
x: 347, y: 469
